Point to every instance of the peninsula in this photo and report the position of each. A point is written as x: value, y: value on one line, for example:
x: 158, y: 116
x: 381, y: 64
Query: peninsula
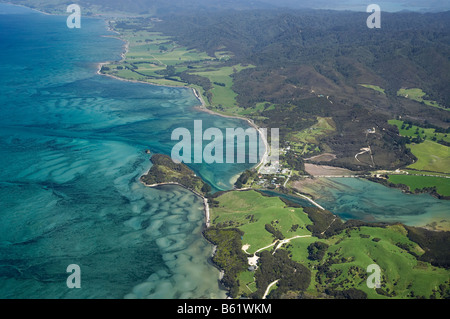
x: 165, y: 171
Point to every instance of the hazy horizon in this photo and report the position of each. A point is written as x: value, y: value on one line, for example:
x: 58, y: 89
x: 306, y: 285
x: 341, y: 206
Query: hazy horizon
x: 361, y: 5
x: 170, y: 6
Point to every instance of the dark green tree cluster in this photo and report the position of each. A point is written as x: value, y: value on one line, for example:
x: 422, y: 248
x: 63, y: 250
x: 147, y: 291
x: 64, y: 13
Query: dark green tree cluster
x: 294, y: 161
x: 294, y: 51
x: 276, y: 233
x: 325, y: 224
x: 435, y: 244
x: 244, y: 177
x: 202, y: 81
x: 228, y: 256
x: 292, y: 276
x: 351, y: 293
x: 317, y: 250
x: 321, y: 221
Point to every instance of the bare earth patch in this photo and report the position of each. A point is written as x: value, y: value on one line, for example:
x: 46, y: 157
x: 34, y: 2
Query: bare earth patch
x: 325, y: 157
x: 324, y: 170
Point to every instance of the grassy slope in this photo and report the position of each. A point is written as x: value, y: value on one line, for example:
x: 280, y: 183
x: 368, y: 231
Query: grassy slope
x: 374, y: 87
x: 401, y: 272
x: 307, y: 141
x: 418, y: 95
x: 416, y: 131
x: 399, y: 268
x: 419, y: 182
x: 223, y: 95
x: 237, y: 206
x: 431, y: 157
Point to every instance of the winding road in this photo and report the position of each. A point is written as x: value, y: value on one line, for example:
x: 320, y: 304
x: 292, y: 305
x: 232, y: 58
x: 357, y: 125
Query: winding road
x: 252, y: 261
x: 268, y: 288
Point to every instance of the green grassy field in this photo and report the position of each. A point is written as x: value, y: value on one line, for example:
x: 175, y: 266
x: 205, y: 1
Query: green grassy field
x: 374, y: 87
x: 238, y: 206
x: 306, y: 141
x: 350, y: 253
x: 222, y: 93
x: 247, y: 282
x: 401, y: 272
x: 431, y: 157
x: 416, y: 131
x: 149, y: 56
x: 157, y: 59
x: 347, y: 257
x: 418, y: 172
x: 418, y: 95
x: 419, y: 182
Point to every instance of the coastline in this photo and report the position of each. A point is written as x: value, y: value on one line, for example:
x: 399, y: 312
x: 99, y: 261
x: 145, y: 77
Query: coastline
x: 34, y: 9
x: 126, y: 210
x: 123, y: 57
x: 201, y: 107
x: 310, y: 200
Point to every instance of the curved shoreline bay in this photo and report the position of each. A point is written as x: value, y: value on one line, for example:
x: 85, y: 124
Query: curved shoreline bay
x: 73, y: 144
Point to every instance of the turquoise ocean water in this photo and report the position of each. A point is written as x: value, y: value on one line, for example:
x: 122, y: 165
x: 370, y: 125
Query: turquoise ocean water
x: 71, y: 151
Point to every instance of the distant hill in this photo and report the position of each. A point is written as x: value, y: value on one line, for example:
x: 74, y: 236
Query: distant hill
x: 358, y: 5
x: 158, y: 7
x: 311, y: 63
x: 144, y: 7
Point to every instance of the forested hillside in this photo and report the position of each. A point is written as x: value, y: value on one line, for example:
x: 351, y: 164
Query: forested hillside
x: 315, y: 63
x: 295, y: 67
x: 410, y: 50
x: 143, y: 7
